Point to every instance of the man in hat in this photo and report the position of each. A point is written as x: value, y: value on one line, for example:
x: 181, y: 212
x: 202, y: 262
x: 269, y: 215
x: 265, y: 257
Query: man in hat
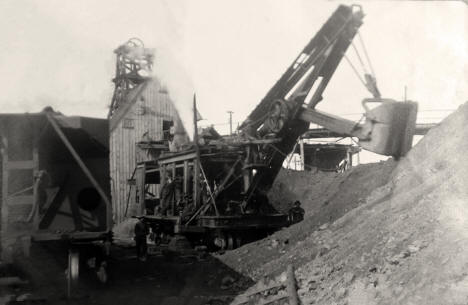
x: 167, y: 195
x: 296, y: 213
x: 141, y: 231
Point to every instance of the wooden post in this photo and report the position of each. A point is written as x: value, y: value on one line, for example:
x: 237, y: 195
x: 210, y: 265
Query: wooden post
x: 4, y: 206
x: 186, y: 176
x: 162, y: 184
x: 291, y: 287
x: 301, y: 146
x: 196, y: 182
x: 230, y: 122
x: 162, y: 173
x: 246, y: 172
x: 173, y: 170
x: 141, y: 204
x: 196, y: 162
x: 34, y: 215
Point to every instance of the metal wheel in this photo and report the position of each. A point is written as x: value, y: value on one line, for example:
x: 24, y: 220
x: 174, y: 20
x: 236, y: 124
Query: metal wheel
x: 277, y: 116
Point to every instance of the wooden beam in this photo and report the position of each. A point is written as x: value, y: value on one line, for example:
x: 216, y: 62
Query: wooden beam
x: 186, y: 173
x: 173, y: 170
x: 196, y: 166
x: 301, y: 150
x: 226, y: 178
x: 196, y: 184
x: 291, y: 286
x: 152, y: 146
x: 4, y: 206
x: 20, y: 200
x: 178, y: 158
x: 162, y: 174
x: 34, y: 214
x: 54, y: 206
x: 329, y: 121
x: 76, y: 236
x: 141, y: 186
x: 27, y: 164
x: 255, y: 141
x: 318, y: 133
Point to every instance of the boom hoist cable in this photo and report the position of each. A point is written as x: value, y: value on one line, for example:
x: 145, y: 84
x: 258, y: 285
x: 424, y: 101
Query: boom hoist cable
x: 370, y: 80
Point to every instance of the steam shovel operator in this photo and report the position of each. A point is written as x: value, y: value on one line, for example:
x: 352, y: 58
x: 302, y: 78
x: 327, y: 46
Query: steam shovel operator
x: 296, y: 213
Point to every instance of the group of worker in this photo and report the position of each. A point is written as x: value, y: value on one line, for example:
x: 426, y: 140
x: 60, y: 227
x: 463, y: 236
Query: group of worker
x: 173, y: 200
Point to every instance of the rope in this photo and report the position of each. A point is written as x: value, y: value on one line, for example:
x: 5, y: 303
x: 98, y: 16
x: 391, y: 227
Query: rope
x: 364, y: 83
x: 355, y: 71
x: 359, y: 57
x: 366, y: 54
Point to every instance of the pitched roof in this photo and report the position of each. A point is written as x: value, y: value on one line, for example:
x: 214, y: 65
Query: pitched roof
x: 131, y: 99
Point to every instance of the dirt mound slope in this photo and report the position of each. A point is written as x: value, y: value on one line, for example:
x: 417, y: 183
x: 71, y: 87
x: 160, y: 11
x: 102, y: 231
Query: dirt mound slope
x: 406, y: 244
x: 317, y: 190
x: 324, y: 196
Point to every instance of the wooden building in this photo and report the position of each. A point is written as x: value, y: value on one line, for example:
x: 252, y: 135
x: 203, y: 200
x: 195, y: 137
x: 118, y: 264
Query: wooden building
x: 327, y: 157
x: 54, y: 179
x: 140, y: 128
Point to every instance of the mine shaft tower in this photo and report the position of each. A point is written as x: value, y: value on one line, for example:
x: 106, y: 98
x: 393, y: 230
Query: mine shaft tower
x: 134, y: 65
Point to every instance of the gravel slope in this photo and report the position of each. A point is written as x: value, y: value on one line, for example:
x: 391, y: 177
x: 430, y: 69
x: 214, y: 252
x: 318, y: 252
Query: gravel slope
x: 404, y: 244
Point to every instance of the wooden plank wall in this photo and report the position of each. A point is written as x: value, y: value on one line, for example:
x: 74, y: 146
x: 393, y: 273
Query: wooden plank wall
x: 19, y: 163
x: 143, y: 122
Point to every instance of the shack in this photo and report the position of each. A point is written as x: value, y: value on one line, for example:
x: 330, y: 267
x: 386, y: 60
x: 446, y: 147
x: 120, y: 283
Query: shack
x: 327, y: 157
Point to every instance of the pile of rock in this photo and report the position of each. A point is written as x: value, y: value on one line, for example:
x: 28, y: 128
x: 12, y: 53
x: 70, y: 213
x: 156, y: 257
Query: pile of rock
x: 404, y: 244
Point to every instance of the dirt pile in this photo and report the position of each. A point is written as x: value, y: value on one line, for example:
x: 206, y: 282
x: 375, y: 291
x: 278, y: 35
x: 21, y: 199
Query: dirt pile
x: 406, y: 244
x: 324, y: 196
x: 319, y: 190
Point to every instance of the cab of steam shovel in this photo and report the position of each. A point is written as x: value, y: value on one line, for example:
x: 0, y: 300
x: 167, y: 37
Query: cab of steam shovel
x: 390, y: 126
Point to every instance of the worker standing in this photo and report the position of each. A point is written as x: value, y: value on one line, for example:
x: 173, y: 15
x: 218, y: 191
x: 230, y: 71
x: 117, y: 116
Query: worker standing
x: 296, y: 213
x: 167, y: 195
x: 141, y: 231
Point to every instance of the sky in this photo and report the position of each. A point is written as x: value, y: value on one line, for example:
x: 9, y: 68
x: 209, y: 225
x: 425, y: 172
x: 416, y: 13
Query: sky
x: 60, y: 53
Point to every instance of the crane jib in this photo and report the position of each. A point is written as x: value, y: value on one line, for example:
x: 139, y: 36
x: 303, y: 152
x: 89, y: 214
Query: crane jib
x: 331, y: 40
